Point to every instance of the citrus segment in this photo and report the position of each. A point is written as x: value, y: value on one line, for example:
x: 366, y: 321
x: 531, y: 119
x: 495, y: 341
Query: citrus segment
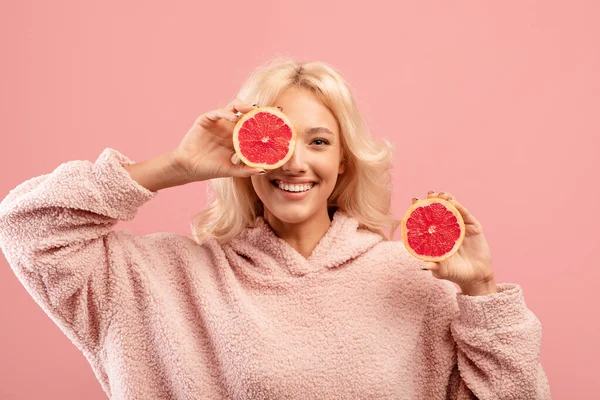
x: 264, y: 138
x: 432, y: 229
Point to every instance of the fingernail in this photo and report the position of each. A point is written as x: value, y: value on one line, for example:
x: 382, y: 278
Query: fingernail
x: 430, y: 192
x: 254, y: 105
x: 415, y: 198
x: 441, y: 193
x: 262, y: 172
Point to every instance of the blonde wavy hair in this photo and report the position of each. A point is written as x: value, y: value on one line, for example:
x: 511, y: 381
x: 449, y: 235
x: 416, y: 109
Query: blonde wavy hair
x: 363, y: 191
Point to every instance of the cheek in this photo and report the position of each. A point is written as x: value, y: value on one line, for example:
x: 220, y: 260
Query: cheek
x: 329, y: 171
x: 256, y: 185
x: 261, y: 186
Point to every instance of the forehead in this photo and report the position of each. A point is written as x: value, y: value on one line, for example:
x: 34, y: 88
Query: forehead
x: 305, y: 110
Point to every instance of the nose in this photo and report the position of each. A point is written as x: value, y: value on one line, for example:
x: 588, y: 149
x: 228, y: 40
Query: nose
x: 297, y: 163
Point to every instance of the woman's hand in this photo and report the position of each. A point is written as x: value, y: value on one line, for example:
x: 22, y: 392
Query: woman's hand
x: 206, y: 150
x: 470, y: 267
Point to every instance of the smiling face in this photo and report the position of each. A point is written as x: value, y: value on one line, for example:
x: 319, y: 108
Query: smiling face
x: 298, y: 191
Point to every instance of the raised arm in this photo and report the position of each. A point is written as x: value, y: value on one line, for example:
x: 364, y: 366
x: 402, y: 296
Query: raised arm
x: 56, y: 231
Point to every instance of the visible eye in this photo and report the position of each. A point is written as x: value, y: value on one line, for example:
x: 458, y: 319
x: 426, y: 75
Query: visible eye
x: 320, y: 141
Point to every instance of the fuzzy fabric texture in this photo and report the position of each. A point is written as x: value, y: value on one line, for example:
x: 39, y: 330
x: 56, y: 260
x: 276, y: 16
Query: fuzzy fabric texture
x: 160, y: 317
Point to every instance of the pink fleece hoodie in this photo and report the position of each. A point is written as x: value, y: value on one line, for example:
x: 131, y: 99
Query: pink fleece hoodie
x: 161, y: 317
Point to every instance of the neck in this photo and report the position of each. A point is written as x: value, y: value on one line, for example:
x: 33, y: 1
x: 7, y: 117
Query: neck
x: 302, y: 236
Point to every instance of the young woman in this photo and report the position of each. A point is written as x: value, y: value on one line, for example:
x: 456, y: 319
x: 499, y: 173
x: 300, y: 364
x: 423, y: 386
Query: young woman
x: 278, y: 295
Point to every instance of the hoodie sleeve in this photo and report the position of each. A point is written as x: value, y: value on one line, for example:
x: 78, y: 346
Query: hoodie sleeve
x: 56, y: 232
x: 496, y: 340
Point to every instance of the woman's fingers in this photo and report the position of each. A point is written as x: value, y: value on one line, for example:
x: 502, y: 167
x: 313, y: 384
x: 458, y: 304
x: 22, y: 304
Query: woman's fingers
x: 243, y: 171
x: 238, y: 106
x: 216, y: 115
x: 464, y: 212
x: 231, y: 113
x: 428, y: 265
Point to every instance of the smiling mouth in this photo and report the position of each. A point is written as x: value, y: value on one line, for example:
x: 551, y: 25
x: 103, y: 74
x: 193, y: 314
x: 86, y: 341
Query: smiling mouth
x: 293, y: 188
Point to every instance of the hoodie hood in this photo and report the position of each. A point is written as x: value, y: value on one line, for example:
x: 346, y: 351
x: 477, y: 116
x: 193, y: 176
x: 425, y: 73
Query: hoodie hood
x: 270, y: 255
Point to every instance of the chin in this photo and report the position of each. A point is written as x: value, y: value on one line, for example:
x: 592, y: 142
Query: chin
x: 293, y: 214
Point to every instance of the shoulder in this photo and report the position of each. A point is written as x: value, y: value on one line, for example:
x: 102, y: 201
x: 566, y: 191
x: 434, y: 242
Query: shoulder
x: 164, y: 248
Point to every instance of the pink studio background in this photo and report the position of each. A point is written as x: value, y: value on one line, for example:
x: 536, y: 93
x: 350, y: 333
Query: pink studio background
x: 495, y: 102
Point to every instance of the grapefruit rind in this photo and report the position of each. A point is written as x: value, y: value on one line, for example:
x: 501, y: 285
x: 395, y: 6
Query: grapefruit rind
x: 423, y: 203
x: 236, y: 144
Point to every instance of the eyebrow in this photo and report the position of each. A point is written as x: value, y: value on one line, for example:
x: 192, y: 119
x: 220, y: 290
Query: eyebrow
x: 318, y: 129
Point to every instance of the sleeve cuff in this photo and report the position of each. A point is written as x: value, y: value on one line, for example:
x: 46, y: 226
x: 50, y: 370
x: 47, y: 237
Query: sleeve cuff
x: 120, y: 191
x: 505, y: 308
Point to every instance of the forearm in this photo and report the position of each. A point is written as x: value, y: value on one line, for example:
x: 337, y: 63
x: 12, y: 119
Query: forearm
x: 157, y: 173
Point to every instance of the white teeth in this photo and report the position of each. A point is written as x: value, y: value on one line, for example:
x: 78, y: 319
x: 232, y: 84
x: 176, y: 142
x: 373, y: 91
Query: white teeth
x: 295, y: 188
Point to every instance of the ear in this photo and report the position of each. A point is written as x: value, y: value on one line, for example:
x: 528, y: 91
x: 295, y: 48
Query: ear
x: 342, y: 167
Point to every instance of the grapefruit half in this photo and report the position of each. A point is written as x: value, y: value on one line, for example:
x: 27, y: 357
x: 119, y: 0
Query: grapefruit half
x: 264, y: 138
x: 432, y: 229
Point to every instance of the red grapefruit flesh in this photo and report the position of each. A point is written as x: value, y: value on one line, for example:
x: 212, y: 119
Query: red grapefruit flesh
x: 432, y: 229
x: 264, y: 138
